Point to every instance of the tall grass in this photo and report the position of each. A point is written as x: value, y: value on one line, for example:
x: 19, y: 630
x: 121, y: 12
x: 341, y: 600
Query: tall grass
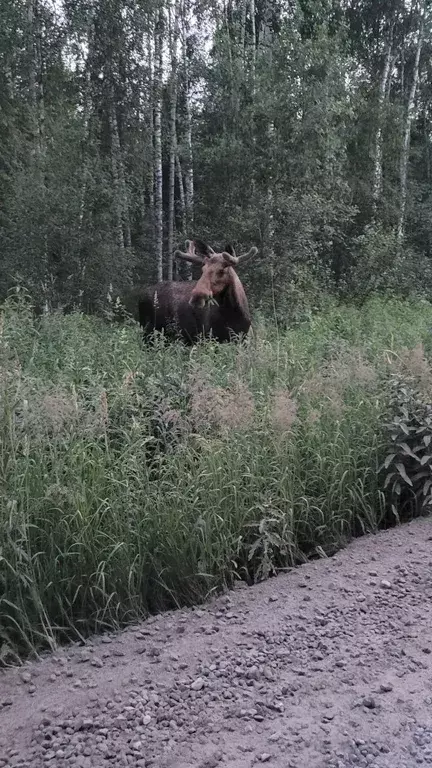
x: 136, y: 478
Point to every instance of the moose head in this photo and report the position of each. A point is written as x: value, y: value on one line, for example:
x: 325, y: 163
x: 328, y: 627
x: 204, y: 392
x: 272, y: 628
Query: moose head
x: 217, y: 269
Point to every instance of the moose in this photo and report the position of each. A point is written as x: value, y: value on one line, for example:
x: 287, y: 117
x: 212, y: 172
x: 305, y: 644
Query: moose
x: 214, y: 306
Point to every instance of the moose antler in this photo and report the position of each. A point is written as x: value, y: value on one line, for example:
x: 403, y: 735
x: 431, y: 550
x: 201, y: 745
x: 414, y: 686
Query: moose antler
x: 234, y: 260
x: 190, y: 254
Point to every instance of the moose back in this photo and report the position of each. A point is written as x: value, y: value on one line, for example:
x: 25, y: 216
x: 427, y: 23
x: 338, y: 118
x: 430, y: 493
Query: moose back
x: 214, y: 306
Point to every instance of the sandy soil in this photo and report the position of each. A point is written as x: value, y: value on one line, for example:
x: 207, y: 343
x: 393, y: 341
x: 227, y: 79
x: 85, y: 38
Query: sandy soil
x: 328, y: 666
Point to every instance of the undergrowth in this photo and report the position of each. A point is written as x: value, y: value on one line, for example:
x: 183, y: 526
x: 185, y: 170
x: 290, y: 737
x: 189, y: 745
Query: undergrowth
x: 136, y: 478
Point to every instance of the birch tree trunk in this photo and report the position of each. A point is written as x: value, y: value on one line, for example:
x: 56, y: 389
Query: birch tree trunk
x: 267, y: 45
x: 185, y: 269
x: 189, y: 176
x: 150, y: 179
x: 87, y: 110
x: 115, y: 165
x: 253, y: 89
x: 157, y: 90
x: 182, y: 196
x: 378, y: 148
x: 37, y: 117
x: 254, y: 43
x: 119, y: 173
x: 243, y: 31
x: 173, y: 135
x: 40, y: 95
x: 406, y: 139
x: 31, y: 63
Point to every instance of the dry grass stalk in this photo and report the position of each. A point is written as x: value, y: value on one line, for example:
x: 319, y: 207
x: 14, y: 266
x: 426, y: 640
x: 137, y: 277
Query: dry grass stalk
x: 413, y: 363
x: 284, y: 410
x: 103, y: 406
x: 224, y: 409
x: 128, y: 379
x: 334, y: 377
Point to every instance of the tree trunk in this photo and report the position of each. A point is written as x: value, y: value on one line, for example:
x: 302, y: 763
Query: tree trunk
x: 253, y: 91
x: 158, y: 146
x: 182, y: 196
x: 87, y: 109
x: 254, y: 44
x: 266, y: 40
x: 115, y: 165
x: 378, y: 150
x: 150, y: 179
x: 40, y: 96
x: 189, y: 176
x: 31, y: 63
x: 243, y: 31
x: 37, y: 118
x: 407, y: 137
x: 233, y: 89
x: 118, y: 173
x: 173, y: 136
x: 390, y: 77
x: 185, y: 269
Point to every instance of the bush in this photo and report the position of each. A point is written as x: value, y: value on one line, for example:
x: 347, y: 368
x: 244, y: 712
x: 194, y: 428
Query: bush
x: 380, y: 268
x: 408, y: 465
x: 137, y: 478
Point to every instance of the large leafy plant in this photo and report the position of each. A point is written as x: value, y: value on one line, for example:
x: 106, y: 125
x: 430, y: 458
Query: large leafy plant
x: 408, y: 464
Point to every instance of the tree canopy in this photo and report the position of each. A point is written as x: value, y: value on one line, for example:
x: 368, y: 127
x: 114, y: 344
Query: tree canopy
x: 301, y: 127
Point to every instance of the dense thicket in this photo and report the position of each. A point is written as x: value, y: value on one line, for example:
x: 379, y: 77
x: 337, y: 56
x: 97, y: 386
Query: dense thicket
x: 302, y: 127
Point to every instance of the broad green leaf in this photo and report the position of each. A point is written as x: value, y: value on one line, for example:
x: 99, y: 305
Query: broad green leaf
x: 426, y: 487
x: 388, y: 460
x: 402, y: 471
x: 408, y: 450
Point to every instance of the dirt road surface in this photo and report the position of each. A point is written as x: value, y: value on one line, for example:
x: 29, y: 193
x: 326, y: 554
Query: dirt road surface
x: 327, y: 666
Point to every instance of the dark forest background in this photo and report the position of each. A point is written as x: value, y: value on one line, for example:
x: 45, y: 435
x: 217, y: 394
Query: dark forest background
x: 301, y: 126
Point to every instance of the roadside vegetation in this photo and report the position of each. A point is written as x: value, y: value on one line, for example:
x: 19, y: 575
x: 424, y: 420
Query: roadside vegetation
x: 136, y: 478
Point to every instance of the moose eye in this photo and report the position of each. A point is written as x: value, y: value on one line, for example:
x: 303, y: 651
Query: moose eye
x: 221, y: 272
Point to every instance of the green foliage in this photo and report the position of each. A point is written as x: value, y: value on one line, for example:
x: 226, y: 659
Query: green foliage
x: 380, y: 268
x: 136, y: 478
x: 408, y: 467
x: 281, y: 131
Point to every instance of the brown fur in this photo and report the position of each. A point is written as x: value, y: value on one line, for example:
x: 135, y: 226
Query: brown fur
x: 183, y: 308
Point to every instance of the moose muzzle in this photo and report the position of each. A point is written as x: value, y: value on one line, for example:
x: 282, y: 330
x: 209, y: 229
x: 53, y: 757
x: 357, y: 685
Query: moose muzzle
x: 201, y: 294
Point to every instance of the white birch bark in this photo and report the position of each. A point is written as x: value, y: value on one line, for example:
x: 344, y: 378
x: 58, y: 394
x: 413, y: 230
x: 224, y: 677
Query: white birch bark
x: 378, y: 148
x: 157, y: 90
x: 188, y: 170
x: 115, y: 150
x: 406, y: 139
x: 173, y: 134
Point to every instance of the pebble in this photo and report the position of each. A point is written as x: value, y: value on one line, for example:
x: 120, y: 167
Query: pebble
x: 385, y: 584
x: 386, y: 687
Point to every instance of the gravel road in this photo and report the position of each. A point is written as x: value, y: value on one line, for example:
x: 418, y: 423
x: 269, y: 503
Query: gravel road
x: 327, y: 666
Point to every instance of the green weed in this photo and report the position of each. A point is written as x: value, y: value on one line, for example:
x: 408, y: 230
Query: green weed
x: 136, y: 478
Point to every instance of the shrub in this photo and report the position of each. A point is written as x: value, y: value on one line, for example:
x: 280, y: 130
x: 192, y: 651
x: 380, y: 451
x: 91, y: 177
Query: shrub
x: 380, y: 267
x: 408, y: 464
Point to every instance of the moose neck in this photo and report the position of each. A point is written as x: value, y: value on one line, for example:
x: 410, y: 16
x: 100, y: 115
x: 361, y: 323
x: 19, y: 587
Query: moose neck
x: 234, y: 297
